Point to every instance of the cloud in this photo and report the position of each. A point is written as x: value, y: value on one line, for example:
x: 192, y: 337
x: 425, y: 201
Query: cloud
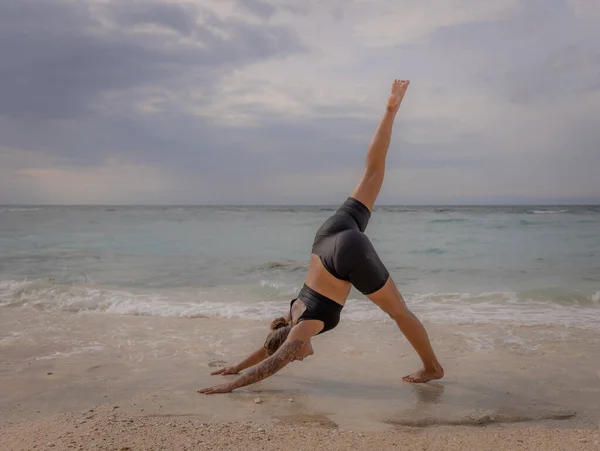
x: 98, y: 184
x: 261, y: 8
x: 205, y: 101
x: 388, y: 23
x: 58, y: 71
x: 170, y: 16
x: 52, y: 180
x: 541, y: 57
x: 588, y: 10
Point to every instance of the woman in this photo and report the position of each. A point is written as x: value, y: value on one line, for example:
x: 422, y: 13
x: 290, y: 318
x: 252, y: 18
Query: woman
x: 342, y: 256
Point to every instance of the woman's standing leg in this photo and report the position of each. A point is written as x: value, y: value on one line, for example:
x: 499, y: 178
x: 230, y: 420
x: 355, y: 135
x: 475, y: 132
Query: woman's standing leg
x: 391, y: 302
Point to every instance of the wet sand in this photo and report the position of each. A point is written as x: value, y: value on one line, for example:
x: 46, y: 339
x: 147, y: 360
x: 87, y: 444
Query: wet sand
x: 99, y: 381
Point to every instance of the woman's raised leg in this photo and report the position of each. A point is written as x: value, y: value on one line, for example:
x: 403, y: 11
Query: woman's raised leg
x: 370, y: 183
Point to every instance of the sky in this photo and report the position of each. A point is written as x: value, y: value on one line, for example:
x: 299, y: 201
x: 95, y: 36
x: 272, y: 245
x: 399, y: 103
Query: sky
x: 276, y: 101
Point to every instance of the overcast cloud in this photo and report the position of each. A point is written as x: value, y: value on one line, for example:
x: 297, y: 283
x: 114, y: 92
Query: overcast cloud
x: 275, y: 101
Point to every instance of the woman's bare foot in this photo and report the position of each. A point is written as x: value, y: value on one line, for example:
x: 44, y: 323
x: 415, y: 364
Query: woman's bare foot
x: 425, y: 375
x: 399, y: 88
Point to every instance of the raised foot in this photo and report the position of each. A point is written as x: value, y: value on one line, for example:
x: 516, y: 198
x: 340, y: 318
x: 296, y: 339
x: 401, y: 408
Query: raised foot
x: 399, y: 88
x: 424, y: 375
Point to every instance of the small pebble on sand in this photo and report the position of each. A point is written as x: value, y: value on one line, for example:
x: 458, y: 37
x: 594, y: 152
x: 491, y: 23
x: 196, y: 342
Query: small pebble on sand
x: 258, y: 400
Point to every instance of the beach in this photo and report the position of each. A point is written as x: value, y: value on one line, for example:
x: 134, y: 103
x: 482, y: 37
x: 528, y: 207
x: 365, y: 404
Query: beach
x: 111, y: 319
x: 61, y: 389
x: 180, y: 180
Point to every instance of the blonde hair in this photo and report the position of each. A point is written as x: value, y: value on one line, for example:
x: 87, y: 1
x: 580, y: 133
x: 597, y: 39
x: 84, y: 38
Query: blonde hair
x: 280, y: 329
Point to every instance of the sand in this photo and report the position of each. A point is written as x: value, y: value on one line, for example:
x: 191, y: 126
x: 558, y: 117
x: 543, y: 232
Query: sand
x: 105, y: 428
x: 73, y: 381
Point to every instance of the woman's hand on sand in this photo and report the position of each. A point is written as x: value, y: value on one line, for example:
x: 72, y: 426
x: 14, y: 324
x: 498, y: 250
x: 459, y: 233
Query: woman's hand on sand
x: 223, y: 388
x: 225, y: 370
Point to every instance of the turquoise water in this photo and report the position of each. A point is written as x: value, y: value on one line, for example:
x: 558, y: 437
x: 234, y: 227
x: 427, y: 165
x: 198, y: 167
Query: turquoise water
x: 521, y: 264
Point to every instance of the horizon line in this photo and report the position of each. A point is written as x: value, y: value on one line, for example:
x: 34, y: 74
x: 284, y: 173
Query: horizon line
x: 491, y: 204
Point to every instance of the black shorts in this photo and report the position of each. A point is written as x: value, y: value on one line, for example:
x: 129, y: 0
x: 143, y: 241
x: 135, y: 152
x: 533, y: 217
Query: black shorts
x: 346, y: 252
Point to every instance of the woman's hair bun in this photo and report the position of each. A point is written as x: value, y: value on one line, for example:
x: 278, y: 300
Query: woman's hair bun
x: 278, y: 323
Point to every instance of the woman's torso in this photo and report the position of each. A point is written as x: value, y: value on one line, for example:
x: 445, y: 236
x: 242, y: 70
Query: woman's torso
x: 326, y: 275
x: 321, y: 281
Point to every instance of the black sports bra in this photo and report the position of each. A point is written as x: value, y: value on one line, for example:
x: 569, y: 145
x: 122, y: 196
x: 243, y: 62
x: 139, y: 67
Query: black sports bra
x: 318, y: 307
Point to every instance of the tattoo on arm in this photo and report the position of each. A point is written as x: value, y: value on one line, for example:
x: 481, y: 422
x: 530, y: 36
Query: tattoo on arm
x: 284, y: 355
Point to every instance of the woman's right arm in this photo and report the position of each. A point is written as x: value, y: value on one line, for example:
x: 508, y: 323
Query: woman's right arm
x: 253, y: 359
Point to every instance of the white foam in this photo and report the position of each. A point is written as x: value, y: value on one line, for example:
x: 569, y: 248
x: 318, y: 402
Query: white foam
x: 76, y: 351
x: 477, y: 341
x: 18, y: 209
x: 542, y: 212
x: 481, y: 308
x: 280, y: 288
x: 14, y: 336
x: 483, y: 341
x: 443, y: 308
x: 46, y: 295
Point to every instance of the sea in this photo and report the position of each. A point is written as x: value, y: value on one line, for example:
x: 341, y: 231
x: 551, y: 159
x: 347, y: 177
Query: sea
x: 123, y: 303
x: 453, y: 264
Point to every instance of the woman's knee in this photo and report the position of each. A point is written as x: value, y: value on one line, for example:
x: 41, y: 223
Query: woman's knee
x: 391, y: 301
x: 399, y: 312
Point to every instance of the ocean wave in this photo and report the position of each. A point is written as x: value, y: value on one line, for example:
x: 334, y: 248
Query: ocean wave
x: 447, y: 220
x: 393, y: 209
x: 428, y: 251
x: 278, y: 288
x: 560, y: 296
x: 45, y: 295
x: 19, y: 209
x: 285, y: 265
x: 524, y: 222
x: 482, y: 308
x: 544, y: 212
x: 442, y: 308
